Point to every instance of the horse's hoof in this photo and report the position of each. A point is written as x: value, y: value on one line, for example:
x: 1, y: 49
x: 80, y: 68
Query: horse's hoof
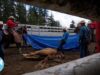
x: 20, y: 50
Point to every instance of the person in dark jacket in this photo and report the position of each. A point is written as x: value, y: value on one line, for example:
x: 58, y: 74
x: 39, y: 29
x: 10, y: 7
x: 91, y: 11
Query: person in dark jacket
x: 1, y: 41
x: 84, y: 38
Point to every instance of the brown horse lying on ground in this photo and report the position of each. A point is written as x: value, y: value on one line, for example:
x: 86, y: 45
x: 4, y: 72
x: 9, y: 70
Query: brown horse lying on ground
x: 49, y: 53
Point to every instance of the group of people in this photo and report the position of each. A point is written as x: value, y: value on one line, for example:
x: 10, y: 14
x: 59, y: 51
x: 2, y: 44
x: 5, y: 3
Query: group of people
x: 84, y: 39
x: 8, y: 28
x: 86, y: 36
x: 84, y: 31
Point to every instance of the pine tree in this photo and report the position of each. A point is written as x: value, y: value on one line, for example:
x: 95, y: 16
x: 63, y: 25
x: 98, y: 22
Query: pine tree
x: 8, y: 9
x: 57, y: 23
x: 21, y: 13
x: 41, y: 16
x: 52, y: 22
x: 32, y: 15
x: 36, y: 16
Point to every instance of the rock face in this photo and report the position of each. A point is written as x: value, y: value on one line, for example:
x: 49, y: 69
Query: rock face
x: 84, y: 8
x: 86, y: 66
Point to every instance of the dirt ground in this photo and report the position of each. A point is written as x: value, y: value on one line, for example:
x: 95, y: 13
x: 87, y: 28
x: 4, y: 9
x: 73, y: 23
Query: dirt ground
x: 15, y: 64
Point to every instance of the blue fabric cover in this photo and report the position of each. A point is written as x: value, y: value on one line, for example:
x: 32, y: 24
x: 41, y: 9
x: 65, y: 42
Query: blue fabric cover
x: 40, y: 42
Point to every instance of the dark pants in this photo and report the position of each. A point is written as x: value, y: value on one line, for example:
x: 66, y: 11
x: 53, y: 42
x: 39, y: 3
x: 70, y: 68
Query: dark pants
x: 92, y: 35
x: 1, y: 51
x: 24, y: 39
x: 1, y: 45
x: 84, y: 50
x: 60, y: 48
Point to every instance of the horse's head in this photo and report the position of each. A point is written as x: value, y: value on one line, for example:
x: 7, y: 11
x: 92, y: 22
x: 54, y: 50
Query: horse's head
x: 22, y: 30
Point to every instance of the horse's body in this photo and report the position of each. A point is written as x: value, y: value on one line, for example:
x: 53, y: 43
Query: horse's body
x: 11, y: 39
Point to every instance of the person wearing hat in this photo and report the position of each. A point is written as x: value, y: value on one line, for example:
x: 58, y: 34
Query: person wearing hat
x: 12, y: 26
x: 63, y: 41
x: 84, y: 39
x: 10, y: 22
x: 92, y: 26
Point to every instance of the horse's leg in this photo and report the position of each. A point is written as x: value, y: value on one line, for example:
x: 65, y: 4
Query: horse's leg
x: 19, y: 47
x: 25, y: 46
x: 17, y: 38
x: 18, y: 44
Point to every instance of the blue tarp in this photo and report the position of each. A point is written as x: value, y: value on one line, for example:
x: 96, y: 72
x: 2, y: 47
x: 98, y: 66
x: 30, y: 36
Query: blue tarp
x: 40, y: 42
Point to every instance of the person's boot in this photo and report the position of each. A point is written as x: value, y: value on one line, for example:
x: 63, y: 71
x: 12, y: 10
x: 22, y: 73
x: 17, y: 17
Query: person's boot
x: 19, y: 47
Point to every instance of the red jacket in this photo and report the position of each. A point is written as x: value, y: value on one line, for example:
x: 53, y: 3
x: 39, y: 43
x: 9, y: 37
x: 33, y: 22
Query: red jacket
x: 93, y: 25
x: 98, y: 37
x: 10, y: 23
